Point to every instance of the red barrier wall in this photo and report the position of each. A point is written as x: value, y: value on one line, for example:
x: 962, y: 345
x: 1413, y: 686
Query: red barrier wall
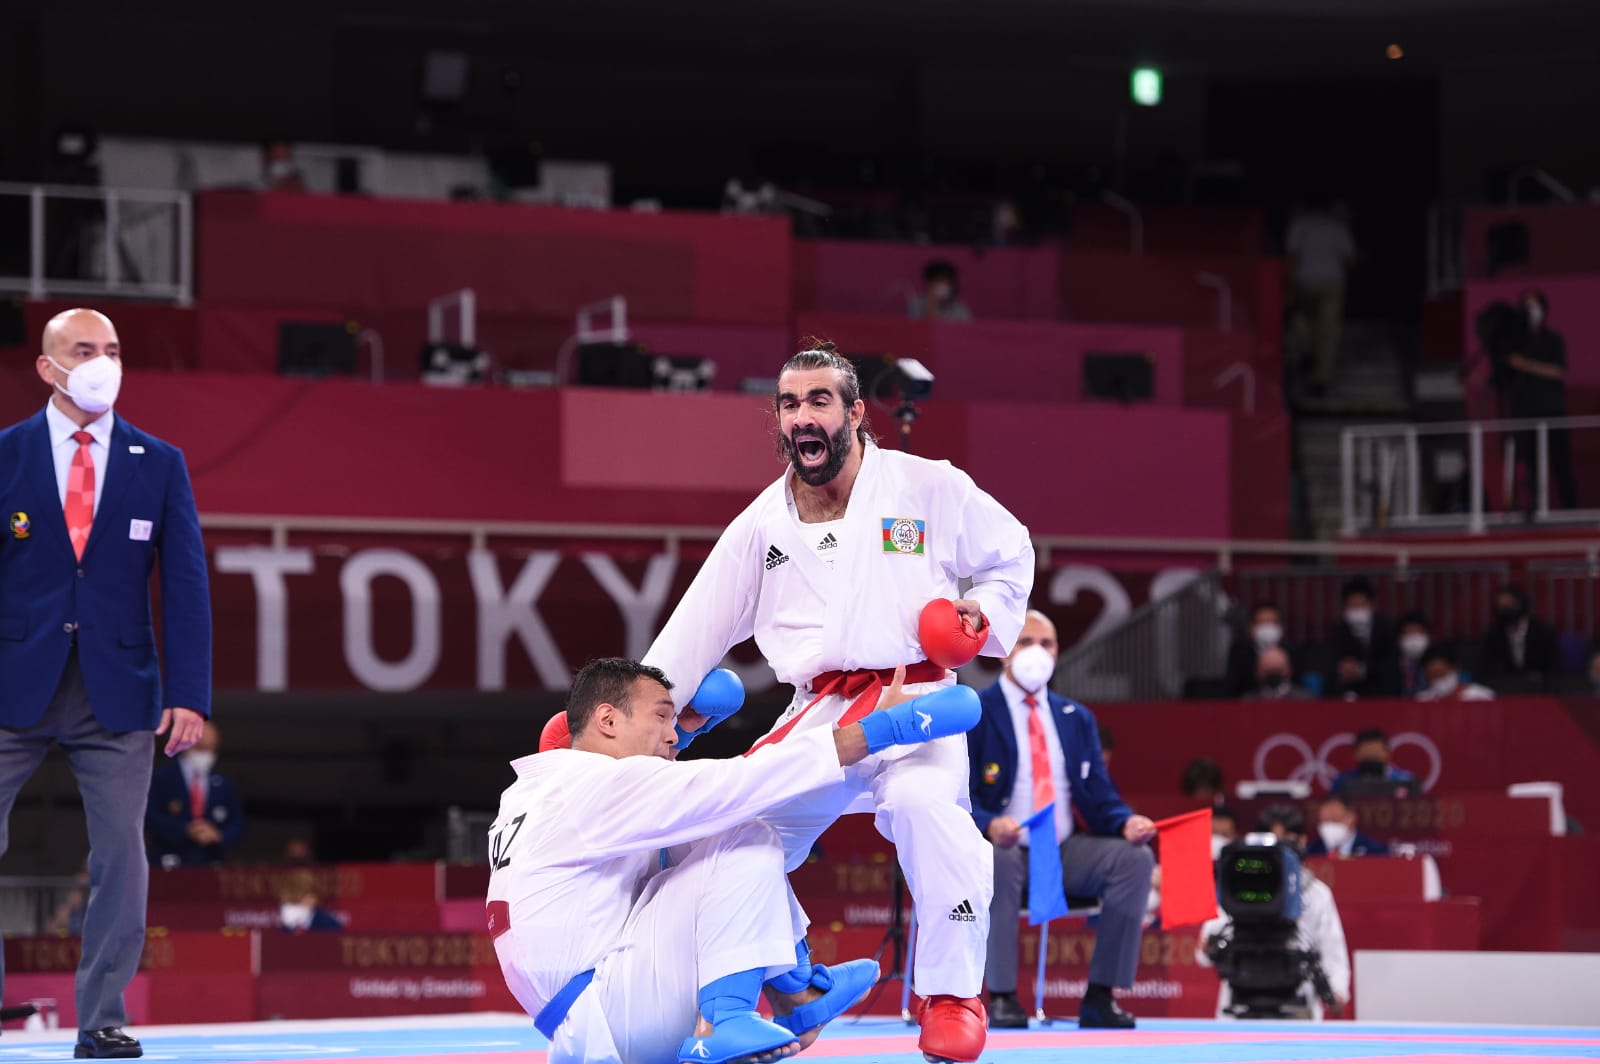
x: 862, y: 277
x: 1483, y: 746
x: 270, y: 445
x: 1562, y: 238
x: 1002, y: 361
x: 349, y: 254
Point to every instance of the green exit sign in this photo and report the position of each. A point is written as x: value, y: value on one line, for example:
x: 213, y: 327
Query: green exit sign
x: 1146, y: 86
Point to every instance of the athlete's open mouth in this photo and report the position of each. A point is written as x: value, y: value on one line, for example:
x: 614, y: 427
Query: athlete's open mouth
x: 811, y: 449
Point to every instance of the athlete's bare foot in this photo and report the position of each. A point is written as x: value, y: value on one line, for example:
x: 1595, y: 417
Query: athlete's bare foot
x: 703, y: 1029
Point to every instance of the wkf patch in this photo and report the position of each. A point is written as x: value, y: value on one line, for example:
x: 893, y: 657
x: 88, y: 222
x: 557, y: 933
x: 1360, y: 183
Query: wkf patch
x: 175, y: 807
x: 991, y: 773
x: 904, y: 535
x: 20, y: 525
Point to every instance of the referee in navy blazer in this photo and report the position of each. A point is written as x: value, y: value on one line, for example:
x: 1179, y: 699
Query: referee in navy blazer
x: 1108, y: 860
x: 90, y: 503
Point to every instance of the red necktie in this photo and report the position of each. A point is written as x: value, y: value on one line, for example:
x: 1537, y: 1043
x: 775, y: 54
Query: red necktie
x: 197, y: 797
x: 79, y: 509
x: 1044, y: 783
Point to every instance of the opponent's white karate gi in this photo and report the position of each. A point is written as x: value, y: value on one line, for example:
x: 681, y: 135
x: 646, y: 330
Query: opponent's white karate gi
x: 575, y: 858
x: 914, y: 529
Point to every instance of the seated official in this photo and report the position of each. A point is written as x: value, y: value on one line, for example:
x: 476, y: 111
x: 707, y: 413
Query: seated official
x: 1032, y: 748
x: 300, y: 906
x: 1373, y: 772
x: 194, y: 816
x: 1337, y: 835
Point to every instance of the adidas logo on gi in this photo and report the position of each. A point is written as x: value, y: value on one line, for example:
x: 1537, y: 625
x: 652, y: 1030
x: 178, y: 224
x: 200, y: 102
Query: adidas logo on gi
x: 775, y: 557
x: 828, y: 542
x: 964, y: 913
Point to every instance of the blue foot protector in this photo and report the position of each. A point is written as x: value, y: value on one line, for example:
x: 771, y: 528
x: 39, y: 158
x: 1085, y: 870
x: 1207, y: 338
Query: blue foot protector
x: 735, y: 1036
x: 842, y: 986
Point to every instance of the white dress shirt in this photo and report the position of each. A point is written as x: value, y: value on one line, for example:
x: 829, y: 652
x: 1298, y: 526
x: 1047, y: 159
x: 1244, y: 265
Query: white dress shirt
x: 1021, y: 805
x: 64, y: 448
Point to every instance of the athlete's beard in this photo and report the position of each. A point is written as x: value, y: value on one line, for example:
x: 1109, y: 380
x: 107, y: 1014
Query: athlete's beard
x: 838, y: 450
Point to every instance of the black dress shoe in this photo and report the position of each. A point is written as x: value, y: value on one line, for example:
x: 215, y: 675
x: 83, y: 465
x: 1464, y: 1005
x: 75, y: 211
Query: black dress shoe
x: 107, y: 1043
x: 1005, y: 1011
x: 1104, y: 1014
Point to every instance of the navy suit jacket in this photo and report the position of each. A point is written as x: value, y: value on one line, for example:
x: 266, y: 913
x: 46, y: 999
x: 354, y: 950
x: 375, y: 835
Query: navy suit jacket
x: 992, y: 747
x: 167, y: 816
x: 45, y: 591
x: 1364, y: 846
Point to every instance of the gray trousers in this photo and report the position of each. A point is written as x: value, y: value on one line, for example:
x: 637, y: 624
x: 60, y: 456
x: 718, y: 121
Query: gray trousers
x: 113, y: 774
x: 1114, y: 870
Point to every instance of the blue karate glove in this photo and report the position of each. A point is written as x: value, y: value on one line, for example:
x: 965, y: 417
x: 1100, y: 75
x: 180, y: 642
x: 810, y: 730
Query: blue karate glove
x: 947, y: 711
x: 719, y: 696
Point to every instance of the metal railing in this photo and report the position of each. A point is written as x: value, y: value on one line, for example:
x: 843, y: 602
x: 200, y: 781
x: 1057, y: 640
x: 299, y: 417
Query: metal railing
x: 1564, y: 593
x: 85, y: 241
x: 1148, y: 655
x: 1432, y: 476
x: 467, y: 835
x: 1457, y: 599
x: 29, y: 905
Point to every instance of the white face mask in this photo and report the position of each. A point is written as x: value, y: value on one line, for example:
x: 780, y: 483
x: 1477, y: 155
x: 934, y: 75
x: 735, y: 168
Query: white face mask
x: 296, y: 917
x: 1413, y: 646
x: 198, y: 761
x: 1267, y: 635
x: 1334, y: 834
x: 94, y: 384
x: 1535, y: 314
x: 1032, y: 667
x: 1217, y: 843
x: 1358, y: 617
x: 1445, y: 684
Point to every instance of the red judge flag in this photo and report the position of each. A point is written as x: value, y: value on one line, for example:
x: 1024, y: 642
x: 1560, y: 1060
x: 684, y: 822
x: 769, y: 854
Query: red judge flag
x: 1188, y: 881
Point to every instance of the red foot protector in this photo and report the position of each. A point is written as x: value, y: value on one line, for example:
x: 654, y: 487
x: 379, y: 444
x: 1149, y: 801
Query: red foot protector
x: 556, y: 735
x: 952, y: 1028
x: 947, y: 638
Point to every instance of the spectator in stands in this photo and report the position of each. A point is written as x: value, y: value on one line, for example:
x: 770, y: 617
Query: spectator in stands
x: 1318, y: 928
x: 1275, y: 678
x: 1518, y: 644
x: 68, y: 917
x: 1025, y: 724
x: 1338, y: 834
x: 1443, y: 673
x: 1266, y: 630
x: 1366, y: 653
x: 1537, y: 388
x: 1594, y: 673
x: 279, y: 171
x: 194, y: 816
x: 940, y: 299
x: 1224, y: 828
x: 300, y: 907
x: 1202, y: 781
x: 1372, y: 763
x: 1416, y: 636
x: 1321, y: 251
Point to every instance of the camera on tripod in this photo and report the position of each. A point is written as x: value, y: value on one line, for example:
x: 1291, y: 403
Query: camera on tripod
x: 1259, y: 953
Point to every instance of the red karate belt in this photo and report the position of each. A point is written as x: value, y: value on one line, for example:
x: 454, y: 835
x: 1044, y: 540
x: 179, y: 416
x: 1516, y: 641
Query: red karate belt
x: 862, y: 686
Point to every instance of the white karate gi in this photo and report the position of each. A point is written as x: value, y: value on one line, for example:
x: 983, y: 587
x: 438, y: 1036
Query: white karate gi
x: 1318, y: 928
x: 765, y: 577
x: 575, y: 856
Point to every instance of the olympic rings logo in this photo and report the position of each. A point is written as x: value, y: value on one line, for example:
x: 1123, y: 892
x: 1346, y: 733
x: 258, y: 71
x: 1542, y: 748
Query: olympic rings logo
x: 1314, y: 766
